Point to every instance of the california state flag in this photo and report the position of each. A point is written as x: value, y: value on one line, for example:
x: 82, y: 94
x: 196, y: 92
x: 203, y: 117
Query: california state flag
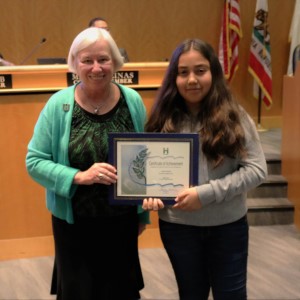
x: 260, y: 55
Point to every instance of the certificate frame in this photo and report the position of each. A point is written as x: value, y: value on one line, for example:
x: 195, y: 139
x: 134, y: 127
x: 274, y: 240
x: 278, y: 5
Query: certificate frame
x: 152, y: 165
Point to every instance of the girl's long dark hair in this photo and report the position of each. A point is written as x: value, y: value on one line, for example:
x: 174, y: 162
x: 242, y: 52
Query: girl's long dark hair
x: 219, y: 115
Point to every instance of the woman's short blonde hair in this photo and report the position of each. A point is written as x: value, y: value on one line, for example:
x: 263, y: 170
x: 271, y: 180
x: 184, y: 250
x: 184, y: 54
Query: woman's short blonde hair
x: 86, y: 38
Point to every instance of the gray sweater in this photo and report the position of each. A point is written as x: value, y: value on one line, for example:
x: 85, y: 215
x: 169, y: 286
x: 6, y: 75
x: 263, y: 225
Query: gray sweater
x: 223, y: 190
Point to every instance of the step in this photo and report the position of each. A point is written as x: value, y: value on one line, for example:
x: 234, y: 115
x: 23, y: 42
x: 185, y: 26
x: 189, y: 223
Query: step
x: 275, y: 186
x: 274, y: 166
x: 270, y: 211
x: 269, y: 203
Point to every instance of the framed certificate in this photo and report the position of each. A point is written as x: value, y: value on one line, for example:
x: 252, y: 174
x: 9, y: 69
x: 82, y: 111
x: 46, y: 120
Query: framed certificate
x: 156, y: 165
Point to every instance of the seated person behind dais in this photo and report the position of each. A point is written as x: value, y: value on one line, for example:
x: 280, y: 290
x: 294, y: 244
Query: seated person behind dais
x: 102, y: 23
x: 4, y: 62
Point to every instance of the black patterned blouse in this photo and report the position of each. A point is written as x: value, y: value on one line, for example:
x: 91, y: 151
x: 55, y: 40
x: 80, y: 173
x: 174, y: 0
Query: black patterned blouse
x: 89, y: 144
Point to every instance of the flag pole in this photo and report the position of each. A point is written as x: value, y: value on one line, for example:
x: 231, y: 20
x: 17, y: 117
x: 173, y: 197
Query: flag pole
x: 259, y: 126
x: 259, y: 108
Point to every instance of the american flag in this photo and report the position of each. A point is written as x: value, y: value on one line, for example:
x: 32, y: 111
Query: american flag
x: 230, y: 35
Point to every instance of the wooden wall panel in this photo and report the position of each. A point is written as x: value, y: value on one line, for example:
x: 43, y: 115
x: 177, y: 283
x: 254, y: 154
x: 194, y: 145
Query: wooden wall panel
x: 25, y: 223
x: 23, y: 213
x: 290, y: 139
x: 22, y: 201
x: 149, y: 30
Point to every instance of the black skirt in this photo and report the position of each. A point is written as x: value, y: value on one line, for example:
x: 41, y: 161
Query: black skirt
x: 97, y: 258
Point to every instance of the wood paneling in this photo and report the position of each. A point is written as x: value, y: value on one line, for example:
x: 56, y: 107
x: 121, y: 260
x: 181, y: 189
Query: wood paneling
x: 24, y: 219
x: 149, y: 31
x: 291, y: 140
x: 22, y: 201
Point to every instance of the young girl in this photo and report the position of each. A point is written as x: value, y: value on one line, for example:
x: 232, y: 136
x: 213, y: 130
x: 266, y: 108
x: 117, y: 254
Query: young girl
x: 206, y: 232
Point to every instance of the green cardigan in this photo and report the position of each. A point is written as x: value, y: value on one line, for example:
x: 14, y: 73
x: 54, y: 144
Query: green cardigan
x: 47, y: 159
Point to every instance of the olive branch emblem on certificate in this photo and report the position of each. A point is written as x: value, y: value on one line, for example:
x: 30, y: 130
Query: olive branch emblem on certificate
x: 139, y: 165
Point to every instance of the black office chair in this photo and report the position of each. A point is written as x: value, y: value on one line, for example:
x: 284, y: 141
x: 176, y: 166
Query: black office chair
x: 296, y: 57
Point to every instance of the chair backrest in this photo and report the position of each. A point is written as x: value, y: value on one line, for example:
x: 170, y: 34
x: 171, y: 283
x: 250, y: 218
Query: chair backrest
x: 296, y: 57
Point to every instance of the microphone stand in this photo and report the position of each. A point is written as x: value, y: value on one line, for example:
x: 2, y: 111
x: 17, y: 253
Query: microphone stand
x: 35, y: 48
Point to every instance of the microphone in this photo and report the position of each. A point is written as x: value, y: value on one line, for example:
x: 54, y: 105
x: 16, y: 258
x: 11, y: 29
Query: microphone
x: 34, y: 49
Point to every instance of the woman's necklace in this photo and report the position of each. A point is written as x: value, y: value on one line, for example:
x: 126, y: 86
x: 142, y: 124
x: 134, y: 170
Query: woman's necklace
x: 97, y: 108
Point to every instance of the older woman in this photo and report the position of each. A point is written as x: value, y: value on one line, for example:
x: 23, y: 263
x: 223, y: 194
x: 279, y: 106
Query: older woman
x: 95, y: 243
